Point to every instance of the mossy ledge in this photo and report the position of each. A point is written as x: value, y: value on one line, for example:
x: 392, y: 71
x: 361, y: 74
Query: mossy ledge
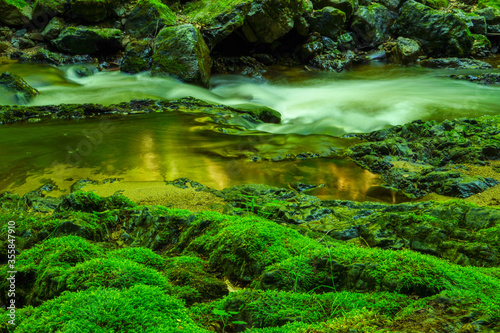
x: 105, y: 264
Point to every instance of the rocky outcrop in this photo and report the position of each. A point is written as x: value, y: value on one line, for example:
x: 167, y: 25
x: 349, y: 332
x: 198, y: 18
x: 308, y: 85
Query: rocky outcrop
x: 439, y: 33
x: 181, y: 52
x: 455, y: 63
x: 80, y: 40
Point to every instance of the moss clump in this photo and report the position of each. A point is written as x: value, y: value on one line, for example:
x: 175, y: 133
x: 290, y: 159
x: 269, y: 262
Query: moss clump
x: 189, y: 272
x: 204, y: 11
x: 139, y: 255
x: 140, y: 309
x: 110, y: 273
x: 436, y: 4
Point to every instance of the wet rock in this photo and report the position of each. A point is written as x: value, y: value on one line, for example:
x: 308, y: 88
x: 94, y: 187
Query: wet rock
x: 314, y: 46
x: 24, y: 43
x: 477, y: 24
x: 455, y: 63
x: 53, y: 29
x: 440, y: 33
x: 182, y: 52
x: 80, y: 40
x: 328, y: 22
x: 137, y: 57
x: 371, y: 24
x: 269, y: 20
x: 405, y: 52
x: 90, y: 10
x: 148, y: 18
x: 486, y: 79
x: 467, y: 186
x: 15, y: 12
x: 15, y: 85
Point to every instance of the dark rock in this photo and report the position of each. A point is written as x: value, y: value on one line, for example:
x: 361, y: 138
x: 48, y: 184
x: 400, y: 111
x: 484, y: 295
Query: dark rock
x: 245, y: 65
x: 314, y: 46
x: 15, y: 12
x: 20, y: 89
x: 440, y: 33
x: 90, y: 10
x: 25, y: 43
x: 182, y: 52
x: 455, y: 63
x: 490, y: 14
x: 371, y: 24
x: 269, y: 20
x: 333, y: 61
x: 477, y: 24
x: 328, y: 22
x: 53, y: 29
x: 137, y: 57
x: 79, y: 40
x: 468, y: 186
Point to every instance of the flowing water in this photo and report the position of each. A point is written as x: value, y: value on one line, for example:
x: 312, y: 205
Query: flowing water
x: 317, y: 109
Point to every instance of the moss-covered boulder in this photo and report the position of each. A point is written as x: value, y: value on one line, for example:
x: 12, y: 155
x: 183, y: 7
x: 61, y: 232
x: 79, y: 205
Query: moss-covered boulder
x: 440, y: 33
x: 82, y: 40
x: 14, y: 85
x: 455, y: 63
x: 405, y: 51
x: 269, y: 20
x: 139, y: 309
x: 148, y: 18
x: 181, y: 52
x: 15, y: 12
x: 371, y: 24
x: 328, y: 22
x: 137, y: 57
x: 490, y: 14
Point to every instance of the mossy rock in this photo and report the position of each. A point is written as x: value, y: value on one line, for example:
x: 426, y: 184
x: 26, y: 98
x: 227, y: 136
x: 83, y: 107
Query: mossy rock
x: 15, y: 12
x: 371, y: 23
x: 139, y: 255
x: 182, y: 52
x: 140, y: 308
x: 20, y: 90
x: 137, y: 57
x: 80, y: 40
x: 92, y: 11
x: 148, y: 18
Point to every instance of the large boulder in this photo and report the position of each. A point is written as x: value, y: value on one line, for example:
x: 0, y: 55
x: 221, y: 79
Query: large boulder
x: 491, y: 15
x: 269, y: 20
x: 439, y: 33
x: 53, y: 29
x: 328, y: 22
x: 371, y: 24
x: 82, y: 40
x: 181, y: 51
x: 15, y: 12
x: 14, y: 85
x: 148, y: 18
x: 44, y: 10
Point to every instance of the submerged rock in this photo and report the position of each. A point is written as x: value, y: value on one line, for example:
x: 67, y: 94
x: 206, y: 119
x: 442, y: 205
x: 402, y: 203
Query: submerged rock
x: 80, y: 40
x: 455, y: 63
x: 486, y: 79
x: 440, y: 33
x: 20, y: 89
x: 181, y: 52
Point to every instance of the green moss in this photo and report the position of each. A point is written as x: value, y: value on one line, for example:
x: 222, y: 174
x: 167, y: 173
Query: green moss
x: 140, y: 309
x: 110, y: 273
x: 166, y: 13
x: 489, y: 3
x: 204, y: 11
x: 17, y: 3
x: 436, y: 4
x: 139, y: 255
